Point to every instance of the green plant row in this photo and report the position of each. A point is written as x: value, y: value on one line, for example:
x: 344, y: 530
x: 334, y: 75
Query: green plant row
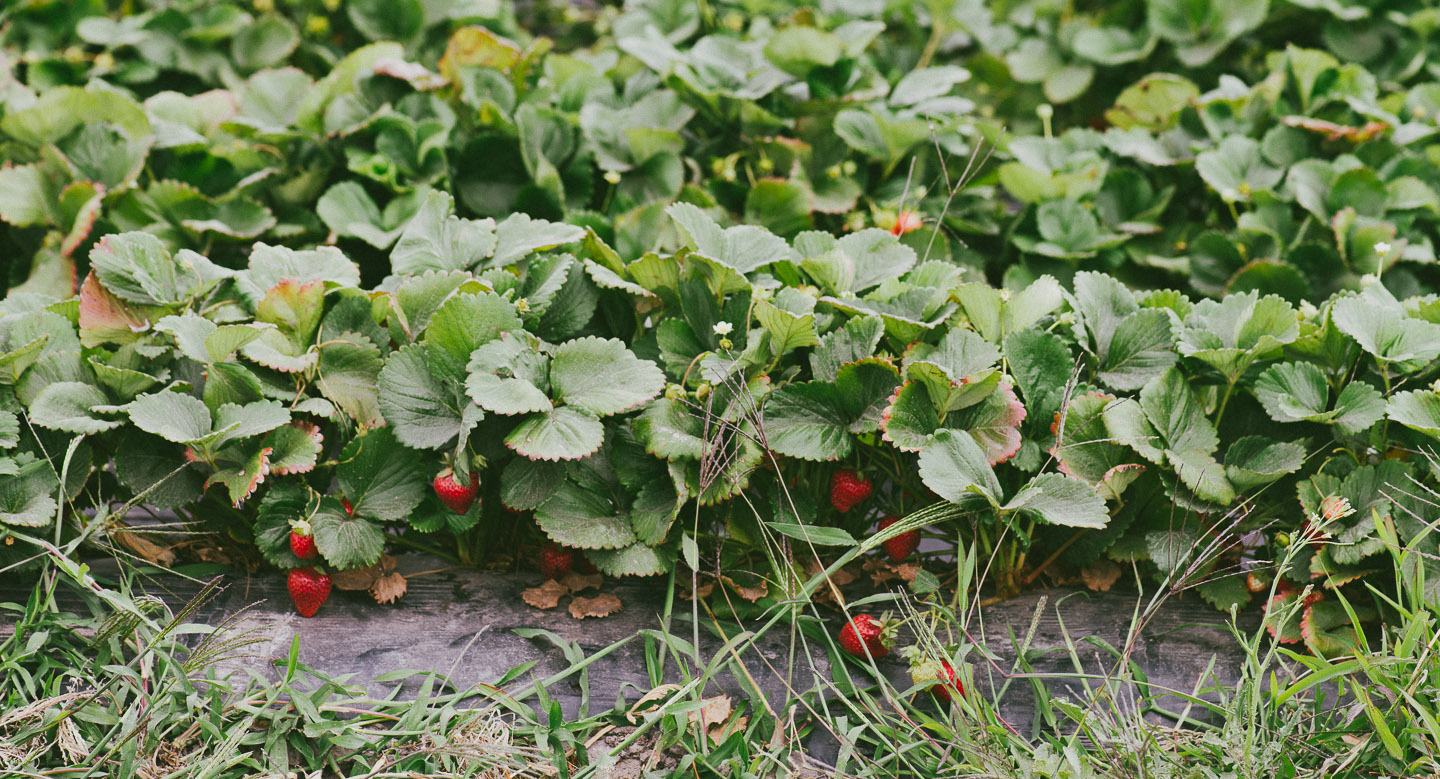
x: 1206, y: 146
x: 628, y: 404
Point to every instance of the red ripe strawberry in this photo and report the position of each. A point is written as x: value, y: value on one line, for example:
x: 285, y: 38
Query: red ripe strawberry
x: 905, y: 222
x: 901, y: 546
x: 848, y: 489
x: 308, y: 589
x: 940, y: 675
x: 948, y: 683
x: 864, y: 632
x: 303, y: 545
x: 555, y: 560
x: 459, y: 498
x: 349, y: 509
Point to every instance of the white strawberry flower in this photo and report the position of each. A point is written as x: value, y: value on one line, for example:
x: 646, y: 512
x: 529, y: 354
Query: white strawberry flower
x: 723, y: 328
x: 1382, y: 248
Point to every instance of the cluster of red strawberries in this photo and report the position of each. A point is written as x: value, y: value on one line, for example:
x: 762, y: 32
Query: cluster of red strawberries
x: 871, y: 638
x: 310, y: 586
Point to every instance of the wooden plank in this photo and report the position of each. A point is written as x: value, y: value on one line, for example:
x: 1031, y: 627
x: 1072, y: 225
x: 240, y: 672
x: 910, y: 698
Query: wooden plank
x: 460, y: 623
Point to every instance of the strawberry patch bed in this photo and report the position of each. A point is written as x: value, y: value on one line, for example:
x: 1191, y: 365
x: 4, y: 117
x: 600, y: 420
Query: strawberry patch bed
x: 477, y: 628
x: 766, y: 367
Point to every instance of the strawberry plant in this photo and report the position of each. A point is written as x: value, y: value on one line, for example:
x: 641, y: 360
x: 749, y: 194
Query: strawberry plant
x: 343, y: 279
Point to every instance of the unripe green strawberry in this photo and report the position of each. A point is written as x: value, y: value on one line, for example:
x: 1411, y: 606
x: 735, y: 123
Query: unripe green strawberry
x: 941, y: 677
x: 308, y: 589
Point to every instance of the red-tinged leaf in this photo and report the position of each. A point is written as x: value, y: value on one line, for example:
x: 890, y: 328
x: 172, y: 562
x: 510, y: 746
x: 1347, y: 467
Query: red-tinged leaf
x: 1288, y: 632
x: 994, y: 423
x: 296, y: 447
x: 294, y: 307
x: 241, y: 477
x: 105, y: 318
x: 82, y: 201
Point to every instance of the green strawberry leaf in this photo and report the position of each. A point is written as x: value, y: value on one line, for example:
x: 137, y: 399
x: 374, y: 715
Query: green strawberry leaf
x: 67, y: 406
x: 526, y: 484
x: 424, y: 413
x: 998, y: 314
x: 856, y: 340
x: 346, y: 541
x: 1060, y: 500
x: 347, y: 375
x: 1379, y: 323
x: 1256, y: 460
x: 462, y: 324
x: 172, y: 416
x: 382, y: 480
x: 157, y: 470
x: 1297, y: 392
x: 510, y: 375
x: 807, y: 420
x: 1231, y: 334
x: 563, y: 433
x: 743, y: 249
x: 633, y: 560
x: 1132, y: 346
x: 789, y: 320
x: 1418, y: 410
x: 602, y: 377
x: 26, y: 499
x: 586, y: 512
x: 435, y: 239
x: 671, y: 430
x: 136, y: 267
x: 954, y: 467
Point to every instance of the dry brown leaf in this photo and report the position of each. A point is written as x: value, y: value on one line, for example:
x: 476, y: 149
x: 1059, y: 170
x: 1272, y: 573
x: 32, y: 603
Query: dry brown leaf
x: 711, y: 715
x: 640, y: 706
x: 703, y: 590
x: 546, y: 596
x: 145, y: 548
x: 755, y: 590
x: 881, y: 572
x: 355, y: 579
x: 389, y: 588
x: 907, y: 571
x: 602, y: 605
x: 844, y: 576
x: 1100, y: 575
x: 362, y: 578
x: 580, y: 582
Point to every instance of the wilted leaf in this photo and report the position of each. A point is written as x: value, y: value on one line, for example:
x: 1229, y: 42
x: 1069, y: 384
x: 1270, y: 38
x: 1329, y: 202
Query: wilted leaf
x: 1100, y: 575
x: 389, y: 588
x: 602, y: 605
x: 546, y: 596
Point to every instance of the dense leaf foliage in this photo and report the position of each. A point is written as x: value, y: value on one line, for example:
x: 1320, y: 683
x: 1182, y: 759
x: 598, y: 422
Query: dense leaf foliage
x: 261, y: 259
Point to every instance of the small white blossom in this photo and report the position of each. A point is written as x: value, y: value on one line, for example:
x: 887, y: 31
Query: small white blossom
x: 723, y: 328
x: 1382, y: 248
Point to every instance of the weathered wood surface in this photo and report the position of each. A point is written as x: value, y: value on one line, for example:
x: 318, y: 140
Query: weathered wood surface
x: 460, y: 623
